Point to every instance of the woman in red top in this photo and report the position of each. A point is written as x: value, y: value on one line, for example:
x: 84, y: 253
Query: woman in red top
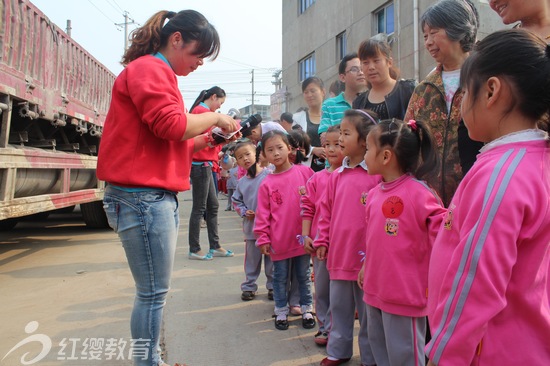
x: 145, y: 157
x: 203, y: 178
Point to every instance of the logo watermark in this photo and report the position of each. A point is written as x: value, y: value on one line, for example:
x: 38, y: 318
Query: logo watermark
x: 91, y: 349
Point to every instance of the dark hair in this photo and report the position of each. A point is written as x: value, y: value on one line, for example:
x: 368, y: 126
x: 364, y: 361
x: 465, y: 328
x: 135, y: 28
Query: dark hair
x: 412, y: 143
x: 312, y: 80
x: 359, y: 118
x: 269, y: 135
x: 299, y: 139
x: 334, y: 128
x: 371, y: 48
x: 459, y: 19
x: 519, y: 56
x: 337, y: 87
x: 241, y: 144
x: 344, y: 62
x: 154, y: 34
x: 287, y: 117
x: 206, y: 94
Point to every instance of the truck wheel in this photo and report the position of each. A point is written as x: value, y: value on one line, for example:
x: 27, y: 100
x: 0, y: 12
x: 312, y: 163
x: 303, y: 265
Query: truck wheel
x: 8, y: 224
x: 94, y: 215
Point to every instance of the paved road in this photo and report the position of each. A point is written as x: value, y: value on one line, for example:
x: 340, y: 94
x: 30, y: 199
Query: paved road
x: 65, y: 285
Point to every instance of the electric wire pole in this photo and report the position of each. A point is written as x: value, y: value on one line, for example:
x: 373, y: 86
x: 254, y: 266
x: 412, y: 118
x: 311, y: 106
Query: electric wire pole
x: 127, y: 21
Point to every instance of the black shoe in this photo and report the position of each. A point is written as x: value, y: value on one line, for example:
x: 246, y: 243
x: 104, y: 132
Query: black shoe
x: 248, y: 295
x: 281, y: 324
x: 308, y: 323
x: 270, y: 294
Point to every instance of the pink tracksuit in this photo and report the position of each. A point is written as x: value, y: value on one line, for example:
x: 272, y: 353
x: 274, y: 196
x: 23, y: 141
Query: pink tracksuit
x: 488, y: 278
x: 311, y: 201
x: 403, y: 218
x: 342, y: 221
x: 278, y: 219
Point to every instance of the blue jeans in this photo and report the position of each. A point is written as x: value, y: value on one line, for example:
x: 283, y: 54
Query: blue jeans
x: 281, y: 272
x: 147, y: 224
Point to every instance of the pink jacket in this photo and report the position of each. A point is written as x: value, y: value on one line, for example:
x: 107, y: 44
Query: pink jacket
x: 342, y: 222
x: 278, y: 219
x: 403, y: 218
x: 311, y: 200
x: 488, y: 276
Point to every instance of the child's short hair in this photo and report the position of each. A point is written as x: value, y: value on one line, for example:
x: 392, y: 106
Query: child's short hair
x: 334, y: 128
x: 362, y: 119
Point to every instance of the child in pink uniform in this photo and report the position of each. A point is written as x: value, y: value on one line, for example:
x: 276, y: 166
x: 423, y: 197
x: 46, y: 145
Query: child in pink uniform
x: 311, y: 202
x: 341, y: 238
x: 403, y: 216
x: 278, y: 224
x: 488, y: 276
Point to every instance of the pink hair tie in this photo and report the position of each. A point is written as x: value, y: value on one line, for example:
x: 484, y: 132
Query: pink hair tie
x: 412, y: 124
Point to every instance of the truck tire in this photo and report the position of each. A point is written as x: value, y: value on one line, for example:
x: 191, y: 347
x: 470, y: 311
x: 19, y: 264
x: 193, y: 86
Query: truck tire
x: 94, y: 215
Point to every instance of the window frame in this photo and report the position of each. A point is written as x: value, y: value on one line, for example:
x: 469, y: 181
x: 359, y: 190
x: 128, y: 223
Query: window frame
x: 306, y: 67
x: 383, y: 10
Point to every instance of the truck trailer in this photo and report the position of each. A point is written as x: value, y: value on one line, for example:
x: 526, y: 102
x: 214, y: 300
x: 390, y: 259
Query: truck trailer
x: 54, y: 97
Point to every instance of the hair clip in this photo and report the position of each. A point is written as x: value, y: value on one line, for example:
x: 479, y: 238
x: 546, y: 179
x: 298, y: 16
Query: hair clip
x: 412, y: 124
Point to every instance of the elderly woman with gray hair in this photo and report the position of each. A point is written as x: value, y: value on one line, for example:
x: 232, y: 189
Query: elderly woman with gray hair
x: 450, y: 30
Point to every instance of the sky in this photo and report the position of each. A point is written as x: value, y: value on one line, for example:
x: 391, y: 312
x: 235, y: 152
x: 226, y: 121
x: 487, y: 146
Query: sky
x: 250, y: 33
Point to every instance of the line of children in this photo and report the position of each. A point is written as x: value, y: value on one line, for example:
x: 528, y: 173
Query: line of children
x: 402, y: 218
x: 311, y: 202
x: 278, y: 224
x: 245, y: 201
x: 341, y: 239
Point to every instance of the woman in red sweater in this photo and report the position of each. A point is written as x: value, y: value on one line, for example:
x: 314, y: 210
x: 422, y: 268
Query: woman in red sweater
x: 145, y: 157
x: 203, y: 178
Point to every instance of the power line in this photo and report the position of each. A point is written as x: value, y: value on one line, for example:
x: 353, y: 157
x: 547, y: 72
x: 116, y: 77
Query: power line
x: 118, y: 6
x: 101, y: 11
x: 114, y: 7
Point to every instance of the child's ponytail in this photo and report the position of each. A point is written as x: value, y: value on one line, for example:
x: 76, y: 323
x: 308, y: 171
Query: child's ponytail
x: 412, y: 143
x: 429, y: 161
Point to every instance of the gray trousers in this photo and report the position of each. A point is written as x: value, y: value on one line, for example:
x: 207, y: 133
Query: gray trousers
x: 396, y: 340
x: 204, y: 200
x: 322, y: 294
x: 345, y: 298
x: 253, y: 267
x: 230, y: 192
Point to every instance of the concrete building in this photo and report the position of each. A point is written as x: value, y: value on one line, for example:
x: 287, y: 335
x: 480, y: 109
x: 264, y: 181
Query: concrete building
x: 317, y: 33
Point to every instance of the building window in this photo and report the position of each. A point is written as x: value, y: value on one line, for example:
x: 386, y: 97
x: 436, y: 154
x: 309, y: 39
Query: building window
x: 341, y: 48
x: 384, y: 19
x: 304, y: 4
x: 307, y: 67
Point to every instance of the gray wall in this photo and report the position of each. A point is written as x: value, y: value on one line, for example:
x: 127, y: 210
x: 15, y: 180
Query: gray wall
x: 316, y: 29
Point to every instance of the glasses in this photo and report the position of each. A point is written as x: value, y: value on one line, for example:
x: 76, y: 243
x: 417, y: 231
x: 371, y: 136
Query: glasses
x: 354, y: 69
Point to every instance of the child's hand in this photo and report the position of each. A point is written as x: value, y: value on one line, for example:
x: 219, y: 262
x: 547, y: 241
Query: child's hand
x: 322, y: 253
x: 249, y: 214
x: 308, y: 245
x: 266, y: 249
x: 360, y: 277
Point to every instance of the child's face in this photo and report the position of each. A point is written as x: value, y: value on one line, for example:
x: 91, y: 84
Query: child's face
x: 246, y: 156
x: 276, y: 151
x: 293, y: 153
x: 333, y: 150
x: 372, y: 156
x: 351, y: 145
x: 376, y: 69
x: 476, y: 120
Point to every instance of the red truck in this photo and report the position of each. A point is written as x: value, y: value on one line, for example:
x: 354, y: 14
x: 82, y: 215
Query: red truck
x: 54, y: 97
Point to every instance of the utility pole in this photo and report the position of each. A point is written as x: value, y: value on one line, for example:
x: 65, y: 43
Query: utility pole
x: 252, y: 107
x: 127, y: 21
x: 68, y: 31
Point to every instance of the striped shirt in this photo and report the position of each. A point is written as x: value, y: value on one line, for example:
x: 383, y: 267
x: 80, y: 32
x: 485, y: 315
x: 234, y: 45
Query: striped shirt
x: 333, y: 111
